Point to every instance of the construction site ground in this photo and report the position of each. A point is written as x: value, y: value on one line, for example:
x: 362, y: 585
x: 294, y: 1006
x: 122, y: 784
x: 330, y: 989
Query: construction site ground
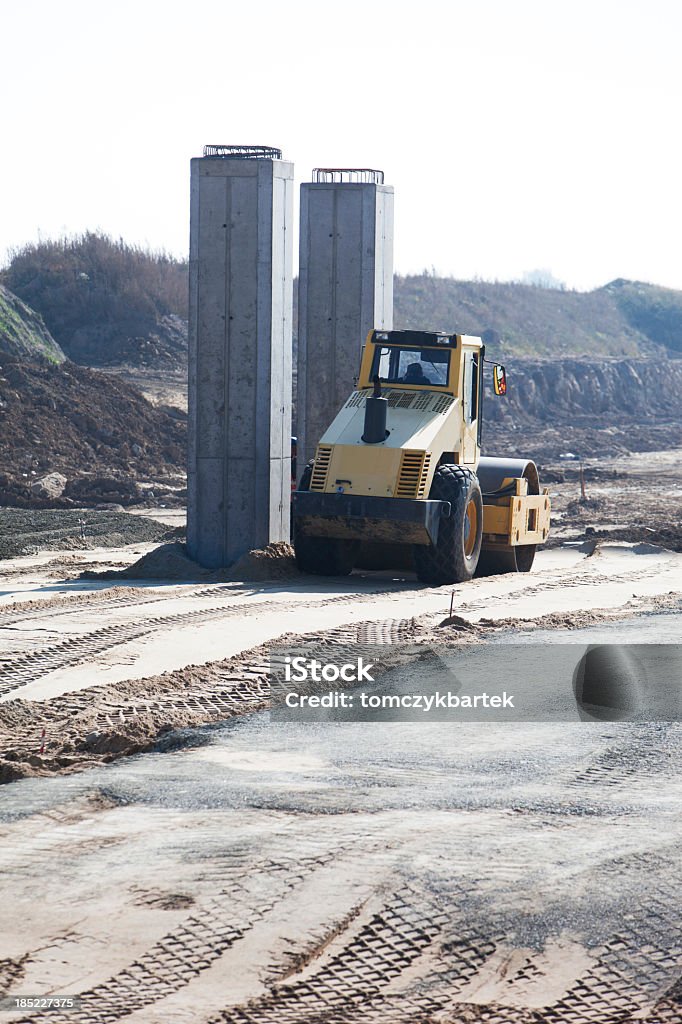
x: 197, y: 861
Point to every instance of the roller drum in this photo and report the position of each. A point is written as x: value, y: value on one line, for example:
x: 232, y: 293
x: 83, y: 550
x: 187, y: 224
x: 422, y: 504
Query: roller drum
x: 492, y: 472
x: 491, y: 475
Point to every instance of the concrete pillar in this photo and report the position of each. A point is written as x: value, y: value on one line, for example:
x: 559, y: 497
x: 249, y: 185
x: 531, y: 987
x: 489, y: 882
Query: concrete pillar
x: 239, y: 352
x: 345, y: 288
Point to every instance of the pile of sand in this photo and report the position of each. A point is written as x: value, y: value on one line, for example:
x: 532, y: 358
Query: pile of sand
x: 167, y: 562
x: 171, y: 562
x: 276, y: 561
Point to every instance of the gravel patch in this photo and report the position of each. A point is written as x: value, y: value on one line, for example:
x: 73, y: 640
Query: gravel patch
x: 28, y: 531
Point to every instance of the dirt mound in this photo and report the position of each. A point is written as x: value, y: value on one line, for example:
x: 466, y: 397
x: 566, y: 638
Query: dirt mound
x: 171, y: 562
x: 105, y: 302
x: 141, y: 342
x: 276, y: 561
x: 168, y: 562
x: 94, y: 429
x: 624, y: 318
x: 24, y: 532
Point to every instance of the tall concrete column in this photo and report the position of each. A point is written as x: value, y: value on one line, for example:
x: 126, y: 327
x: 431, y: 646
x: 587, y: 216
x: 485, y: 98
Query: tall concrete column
x: 239, y: 352
x: 345, y: 289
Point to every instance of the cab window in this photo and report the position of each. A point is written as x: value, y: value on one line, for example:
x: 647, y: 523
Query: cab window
x: 395, y: 365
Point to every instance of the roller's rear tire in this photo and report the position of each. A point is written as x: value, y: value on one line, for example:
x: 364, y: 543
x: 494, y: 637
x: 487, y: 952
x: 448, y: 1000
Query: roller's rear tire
x: 454, y: 557
x: 324, y: 556
x: 517, y: 559
x: 321, y: 556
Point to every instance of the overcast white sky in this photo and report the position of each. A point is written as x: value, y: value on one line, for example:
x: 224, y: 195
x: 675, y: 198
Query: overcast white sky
x: 518, y: 134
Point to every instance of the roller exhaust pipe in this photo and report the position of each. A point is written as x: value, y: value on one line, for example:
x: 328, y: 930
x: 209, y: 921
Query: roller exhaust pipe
x: 376, y: 411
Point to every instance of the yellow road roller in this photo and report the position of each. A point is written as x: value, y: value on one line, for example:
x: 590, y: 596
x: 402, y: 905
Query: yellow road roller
x: 398, y: 480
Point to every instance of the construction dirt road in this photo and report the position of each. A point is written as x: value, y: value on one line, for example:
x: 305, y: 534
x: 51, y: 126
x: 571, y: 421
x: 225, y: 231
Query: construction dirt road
x: 199, y: 861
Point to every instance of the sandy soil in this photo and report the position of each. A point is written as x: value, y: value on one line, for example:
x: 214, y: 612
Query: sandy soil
x: 630, y: 497
x: 106, y: 671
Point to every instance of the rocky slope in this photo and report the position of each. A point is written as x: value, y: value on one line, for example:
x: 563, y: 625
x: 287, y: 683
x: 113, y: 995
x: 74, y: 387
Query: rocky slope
x: 560, y: 390
x: 23, y: 332
x: 600, y: 407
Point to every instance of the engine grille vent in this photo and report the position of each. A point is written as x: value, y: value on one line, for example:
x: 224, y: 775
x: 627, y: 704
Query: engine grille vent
x: 399, y: 400
x: 413, y: 474
x: 395, y: 399
x: 422, y: 401
x: 424, y: 475
x: 418, y: 400
x: 442, y: 403
x: 321, y: 468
